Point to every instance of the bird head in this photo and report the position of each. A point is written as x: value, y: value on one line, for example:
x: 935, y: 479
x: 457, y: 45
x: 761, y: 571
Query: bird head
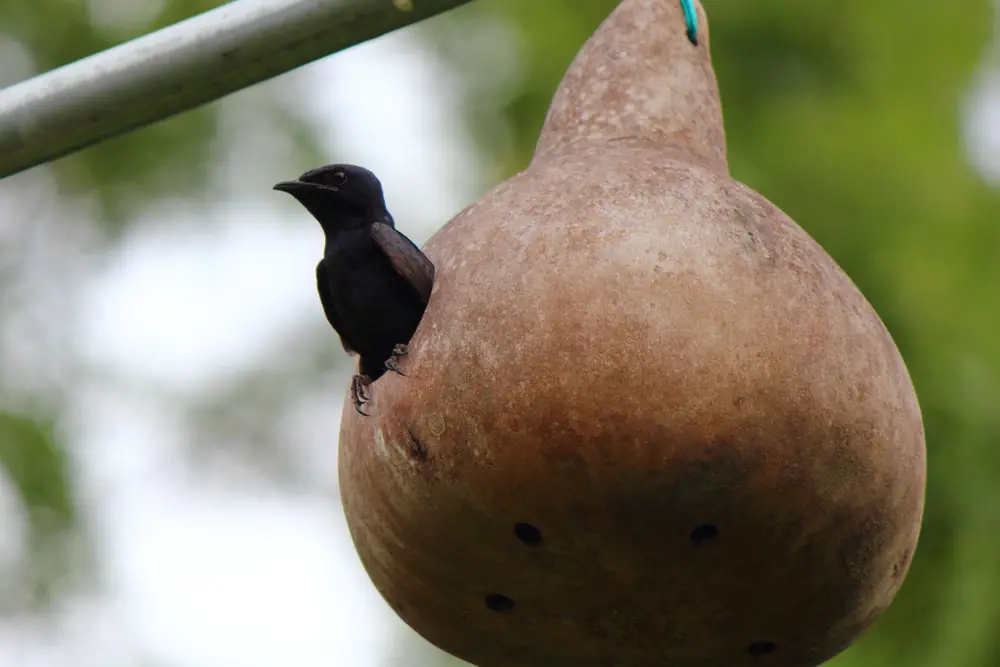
x: 340, y: 196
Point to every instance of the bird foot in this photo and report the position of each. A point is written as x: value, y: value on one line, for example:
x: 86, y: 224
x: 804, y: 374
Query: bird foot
x: 390, y: 364
x: 359, y: 384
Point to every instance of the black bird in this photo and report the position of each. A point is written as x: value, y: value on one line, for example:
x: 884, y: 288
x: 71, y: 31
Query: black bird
x: 373, y: 282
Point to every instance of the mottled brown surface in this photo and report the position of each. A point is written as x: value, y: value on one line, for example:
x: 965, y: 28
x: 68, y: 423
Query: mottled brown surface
x: 624, y: 349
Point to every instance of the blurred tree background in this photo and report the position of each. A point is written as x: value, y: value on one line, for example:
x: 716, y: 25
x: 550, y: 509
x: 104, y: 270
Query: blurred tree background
x: 850, y: 115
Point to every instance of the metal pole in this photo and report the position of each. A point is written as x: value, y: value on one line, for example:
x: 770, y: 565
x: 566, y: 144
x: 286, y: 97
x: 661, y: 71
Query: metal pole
x: 183, y: 66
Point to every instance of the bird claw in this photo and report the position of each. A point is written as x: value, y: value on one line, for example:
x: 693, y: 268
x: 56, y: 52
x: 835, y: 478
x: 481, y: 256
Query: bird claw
x: 358, y: 394
x: 399, y: 350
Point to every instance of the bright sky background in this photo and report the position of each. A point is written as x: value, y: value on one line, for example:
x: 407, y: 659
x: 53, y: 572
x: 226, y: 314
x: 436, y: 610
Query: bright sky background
x: 207, y: 574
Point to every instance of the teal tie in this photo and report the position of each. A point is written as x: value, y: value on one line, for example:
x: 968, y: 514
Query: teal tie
x: 691, y: 18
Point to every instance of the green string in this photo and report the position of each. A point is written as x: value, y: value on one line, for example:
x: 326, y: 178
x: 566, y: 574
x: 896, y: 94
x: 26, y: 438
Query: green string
x: 691, y: 18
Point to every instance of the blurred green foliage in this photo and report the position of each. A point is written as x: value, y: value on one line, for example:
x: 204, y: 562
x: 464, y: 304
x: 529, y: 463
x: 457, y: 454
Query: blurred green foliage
x: 120, y: 177
x: 38, y: 467
x: 845, y: 113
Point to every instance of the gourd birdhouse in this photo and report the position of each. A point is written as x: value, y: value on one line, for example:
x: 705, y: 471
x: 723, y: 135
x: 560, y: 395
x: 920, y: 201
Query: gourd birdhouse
x: 646, y: 420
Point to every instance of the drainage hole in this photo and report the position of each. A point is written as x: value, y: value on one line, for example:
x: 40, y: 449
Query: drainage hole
x: 499, y: 603
x: 760, y: 649
x: 527, y: 533
x: 704, y: 534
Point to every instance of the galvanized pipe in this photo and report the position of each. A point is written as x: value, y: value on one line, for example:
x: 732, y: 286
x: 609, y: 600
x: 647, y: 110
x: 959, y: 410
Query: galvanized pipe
x: 183, y: 66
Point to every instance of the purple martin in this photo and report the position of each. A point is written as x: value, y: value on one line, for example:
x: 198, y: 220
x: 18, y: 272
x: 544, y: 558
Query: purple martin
x: 373, y: 282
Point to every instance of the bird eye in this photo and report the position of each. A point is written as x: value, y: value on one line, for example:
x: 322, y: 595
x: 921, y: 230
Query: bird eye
x: 338, y: 178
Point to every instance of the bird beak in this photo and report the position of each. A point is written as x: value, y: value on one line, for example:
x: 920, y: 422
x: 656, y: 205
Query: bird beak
x: 295, y: 188
x: 291, y: 187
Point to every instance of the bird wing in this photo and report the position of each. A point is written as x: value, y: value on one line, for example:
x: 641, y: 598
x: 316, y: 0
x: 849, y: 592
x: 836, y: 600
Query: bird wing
x: 326, y: 298
x: 406, y: 258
